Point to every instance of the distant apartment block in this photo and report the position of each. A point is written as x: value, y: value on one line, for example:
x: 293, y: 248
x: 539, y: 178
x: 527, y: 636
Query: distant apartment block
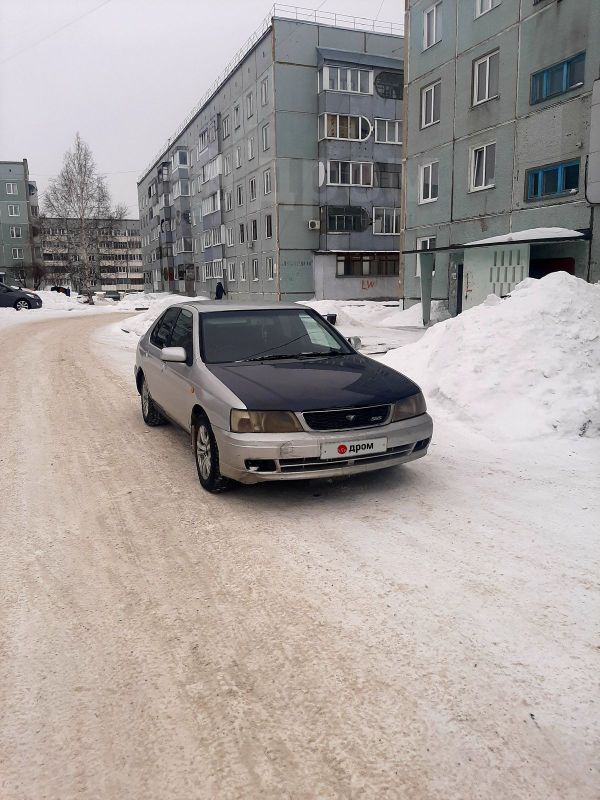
x: 20, y: 252
x: 498, y: 120
x: 284, y: 182
x: 118, y: 253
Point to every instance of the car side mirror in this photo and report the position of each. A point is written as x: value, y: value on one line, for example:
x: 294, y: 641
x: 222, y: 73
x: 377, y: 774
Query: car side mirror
x: 355, y: 342
x: 176, y: 354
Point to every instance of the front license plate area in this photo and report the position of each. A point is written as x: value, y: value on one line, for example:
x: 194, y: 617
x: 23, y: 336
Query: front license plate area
x: 363, y: 447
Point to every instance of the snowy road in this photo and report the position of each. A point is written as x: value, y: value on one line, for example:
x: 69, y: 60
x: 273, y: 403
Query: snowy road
x: 427, y: 632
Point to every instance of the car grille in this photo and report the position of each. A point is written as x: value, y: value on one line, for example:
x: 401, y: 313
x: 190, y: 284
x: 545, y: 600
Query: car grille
x: 345, y: 419
x: 315, y: 463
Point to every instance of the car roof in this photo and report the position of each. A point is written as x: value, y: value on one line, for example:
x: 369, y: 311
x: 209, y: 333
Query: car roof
x: 204, y: 306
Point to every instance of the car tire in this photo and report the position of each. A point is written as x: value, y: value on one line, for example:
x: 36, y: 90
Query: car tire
x: 206, y: 454
x: 150, y: 412
x: 22, y: 304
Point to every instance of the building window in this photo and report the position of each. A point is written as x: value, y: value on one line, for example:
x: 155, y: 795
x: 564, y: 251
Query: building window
x: 240, y: 195
x: 227, y: 164
x: 238, y: 157
x: 552, y: 180
x: 252, y: 188
x: 211, y: 204
x: 255, y: 269
x: 346, y: 219
x: 12, y: 188
x: 483, y: 6
x: 483, y: 167
x: 346, y: 79
x: 390, y: 85
x: 267, y: 181
x: 428, y: 182
x: 179, y: 159
x: 34, y: 211
x: 254, y: 230
x: 236, y: 116
x: 270, y: 268
x: 249, y: 105
x: 344, y: 126
x: 231, y: 271
x: 485, y: 78
x: 230, y: 238
x: 269, y: 226
x: 349, y: 173
x: 432, y: 25
x: 14, y: 210
x: 558, y: 79
x: 16, y: 232
x: 423, y: 243
x: 243, y: 274
x: 388, y: 131
x: 431, y: 100
x: 225, y: 124
x: 357, y: 265
x: 242, y: 233
x: 386, y: 221
x: 17, y: 252
x: 388, y: 175
x: 250, y: 144
x: 265, y: 137
x: 264, y: 92
x: 228, y: 200
x: 211, y: 169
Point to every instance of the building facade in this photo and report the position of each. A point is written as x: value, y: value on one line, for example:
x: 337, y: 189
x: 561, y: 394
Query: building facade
x: 498, y: 104
x: 118, y: 249
x: 20, y: 251
x: 284, y: 183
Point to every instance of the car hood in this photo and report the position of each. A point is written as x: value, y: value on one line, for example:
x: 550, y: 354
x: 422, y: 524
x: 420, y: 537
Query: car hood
x: 314, y: 384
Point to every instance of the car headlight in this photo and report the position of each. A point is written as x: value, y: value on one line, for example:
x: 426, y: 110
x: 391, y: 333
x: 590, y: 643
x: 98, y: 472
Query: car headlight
x: 409, y: 407
x: 243, y: 421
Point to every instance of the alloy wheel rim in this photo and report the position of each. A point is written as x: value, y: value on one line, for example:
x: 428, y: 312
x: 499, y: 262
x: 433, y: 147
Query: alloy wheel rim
x: 204, y: 451
x: 22, y: 304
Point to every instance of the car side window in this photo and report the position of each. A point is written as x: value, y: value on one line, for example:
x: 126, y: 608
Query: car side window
x: 183, y: 335
x: 161, y: 335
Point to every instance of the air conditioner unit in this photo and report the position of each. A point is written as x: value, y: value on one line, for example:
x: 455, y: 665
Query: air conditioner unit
x: 314, y: 225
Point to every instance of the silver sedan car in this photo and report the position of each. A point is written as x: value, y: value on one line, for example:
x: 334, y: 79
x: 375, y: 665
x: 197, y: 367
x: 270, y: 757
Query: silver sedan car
x: 274, y: 392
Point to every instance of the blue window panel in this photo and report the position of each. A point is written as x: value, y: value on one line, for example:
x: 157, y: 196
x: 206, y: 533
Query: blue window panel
x: 557, y: 79
x: 552, y: 181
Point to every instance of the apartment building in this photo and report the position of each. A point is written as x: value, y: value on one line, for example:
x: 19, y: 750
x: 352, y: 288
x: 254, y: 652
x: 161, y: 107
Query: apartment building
x: 498, y: 114
x: 118, y: 253
x: 20, y: 253
x: 284, y: 182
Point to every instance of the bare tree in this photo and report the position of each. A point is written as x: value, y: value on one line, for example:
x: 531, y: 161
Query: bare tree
x: 79, y: 200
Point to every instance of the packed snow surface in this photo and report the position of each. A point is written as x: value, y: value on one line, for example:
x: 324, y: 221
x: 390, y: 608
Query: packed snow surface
x: 522, y: 367
x: 159, y: 301
x: 377, y: 314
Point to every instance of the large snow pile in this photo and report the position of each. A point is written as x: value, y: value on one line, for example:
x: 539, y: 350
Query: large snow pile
x: 377, y: 314
x: 522, y: 367
x: 57, y: 301
x: 158, y: 302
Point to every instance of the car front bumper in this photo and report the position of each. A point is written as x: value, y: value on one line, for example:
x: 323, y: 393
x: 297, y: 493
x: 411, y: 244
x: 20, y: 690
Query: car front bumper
x: 252, y: 458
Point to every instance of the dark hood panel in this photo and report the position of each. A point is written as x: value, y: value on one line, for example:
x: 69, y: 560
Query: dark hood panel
x: 314, y: 384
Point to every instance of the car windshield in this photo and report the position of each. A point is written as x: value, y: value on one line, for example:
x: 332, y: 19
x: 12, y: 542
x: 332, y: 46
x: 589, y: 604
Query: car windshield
x: 267, y: 335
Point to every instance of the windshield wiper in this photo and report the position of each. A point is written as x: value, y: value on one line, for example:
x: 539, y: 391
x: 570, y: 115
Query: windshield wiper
x: 279, y: 356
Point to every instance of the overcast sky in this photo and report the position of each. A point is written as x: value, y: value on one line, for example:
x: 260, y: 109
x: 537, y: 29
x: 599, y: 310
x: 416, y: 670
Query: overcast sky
x: 124, y: 73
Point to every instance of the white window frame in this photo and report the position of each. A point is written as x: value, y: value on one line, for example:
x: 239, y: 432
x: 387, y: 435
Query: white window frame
x: 386, y: 124
x: 15, y: 253
x: 236, y: 116
x: 238, y: 157
x: 253, y: 230
x: 14, y: 210
x: 428, y: 104
x: 230, y: 236
x: 227, y: 164
x: 243, y: 272
x: 485, y: 6
x: 225, y: 126
x: 255, y: 273
x: 265, y: 136
x: 252, y: 195
x: 420, y: 241
x: 388, y: 211
x: 436, y: 10
x: 324, y: 79
x: 422, y: 169
x: 13, y: 232
x: 249, y: 105
x: 231, y: 270
x: 270, y: 268
x: 472, y: 167
x: 239, y: 195
x: 323, y: 127
x: 476, y: 64
x: 228, y: 200
x: 363, y: 166
x: 251, y: 148
x: 267, y: 218
x: 267, y: 182
x: 264, y: 91
x: 10, y: 186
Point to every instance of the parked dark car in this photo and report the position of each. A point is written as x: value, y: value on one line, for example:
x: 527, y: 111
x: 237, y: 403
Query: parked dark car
x: 112, y: 296
x: 13, y: 297
x: 61, y: 290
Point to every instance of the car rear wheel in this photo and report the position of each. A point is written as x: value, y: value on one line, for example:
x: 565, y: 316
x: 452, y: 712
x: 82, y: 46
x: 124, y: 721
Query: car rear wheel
x: 150, y: 413
x: 207, y: 457
x: 22, y: 304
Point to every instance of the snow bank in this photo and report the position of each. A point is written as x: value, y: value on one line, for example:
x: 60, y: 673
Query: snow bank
x: 377, y: 314
x: 158, y: 302
x: 524, y: 367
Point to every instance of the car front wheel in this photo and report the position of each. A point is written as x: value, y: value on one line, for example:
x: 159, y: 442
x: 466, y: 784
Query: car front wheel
x: 207, y: 458
x: 150, y: 413
x: 22, y: 304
